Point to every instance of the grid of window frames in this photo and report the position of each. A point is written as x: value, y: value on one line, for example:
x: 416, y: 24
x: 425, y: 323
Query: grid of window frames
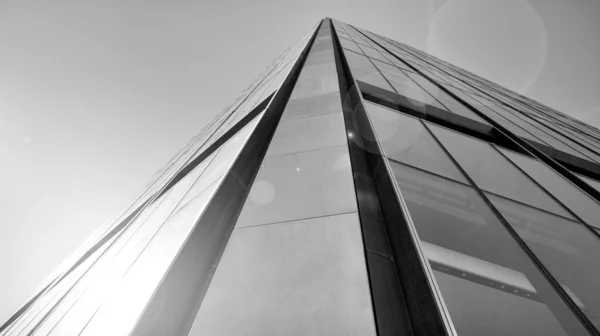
x: 499, y: 195
x: 511, y: 242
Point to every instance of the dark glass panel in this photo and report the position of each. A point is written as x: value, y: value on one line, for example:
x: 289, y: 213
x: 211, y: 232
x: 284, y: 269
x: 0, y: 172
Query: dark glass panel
x: 593, y: 183
x: 488, y: 283
x: 568, y: 249
x: 494, y: 173
x: 301, y: 185
x: 404, y: 139
x: 566, y: 192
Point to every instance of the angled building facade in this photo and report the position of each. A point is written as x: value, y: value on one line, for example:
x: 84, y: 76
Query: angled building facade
x: 358, y: 187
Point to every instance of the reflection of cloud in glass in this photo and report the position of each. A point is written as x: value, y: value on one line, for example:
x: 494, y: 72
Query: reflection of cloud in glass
x: 262, y: 192
x: 501, y: 40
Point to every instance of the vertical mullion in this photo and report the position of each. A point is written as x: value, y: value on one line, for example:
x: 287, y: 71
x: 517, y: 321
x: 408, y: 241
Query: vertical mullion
x: 420, y: 296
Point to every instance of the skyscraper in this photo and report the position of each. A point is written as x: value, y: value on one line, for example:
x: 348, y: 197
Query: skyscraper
x: 358, y: 187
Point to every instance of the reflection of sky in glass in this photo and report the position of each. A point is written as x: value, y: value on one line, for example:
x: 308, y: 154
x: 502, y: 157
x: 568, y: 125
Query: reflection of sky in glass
x: 90, y: 110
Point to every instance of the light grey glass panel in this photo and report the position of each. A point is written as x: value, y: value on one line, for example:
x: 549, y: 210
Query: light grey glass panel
x: 312, y: 106
x: 350, y: 45
x: 319, y: 66
x: 305, y: 134
x: 494, y: 173
x: 302, y: 185
x: 373, y: 54
x: 363, y: 70
x: 404, y: 139
x: 407, y: 87
x: 568, y: 249
x: 593, y: 183
x: 571, y: 196
x: 488, y: 283
x: 299, y: 278
x: 315, y: 85
x: 448, y: 101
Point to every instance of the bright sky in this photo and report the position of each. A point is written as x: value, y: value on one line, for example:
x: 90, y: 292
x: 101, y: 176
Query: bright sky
x: 96, y: 96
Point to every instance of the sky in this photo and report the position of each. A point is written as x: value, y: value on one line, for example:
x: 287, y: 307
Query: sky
x: 96, y: 96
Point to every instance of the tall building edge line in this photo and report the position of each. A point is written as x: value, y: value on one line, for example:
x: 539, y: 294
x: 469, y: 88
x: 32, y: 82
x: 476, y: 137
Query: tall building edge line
x: 222, y: 211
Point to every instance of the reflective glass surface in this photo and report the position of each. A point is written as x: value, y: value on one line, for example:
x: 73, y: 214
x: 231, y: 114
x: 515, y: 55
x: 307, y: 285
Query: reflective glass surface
x: 364, y: 71
x: 350, y: 45
x: 301, y: 185
x: 494, y: 173
x: 568, y: 249
x: 307, y: 86
x: 312, y: 106
x: 304, y: 277
x: 488, y: 283
x: 305, y: 134
x: 566, y: 192
x: 373, y: 54
x: 404, y: 139
x: 124, y: 304
x: 407, y: 87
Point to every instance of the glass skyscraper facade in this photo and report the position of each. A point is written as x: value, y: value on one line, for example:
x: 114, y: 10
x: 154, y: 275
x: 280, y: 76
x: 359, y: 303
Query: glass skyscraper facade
x: 358, y: 187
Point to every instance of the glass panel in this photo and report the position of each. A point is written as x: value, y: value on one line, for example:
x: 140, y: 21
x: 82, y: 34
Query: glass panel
x: 407, y: 87
x: 374, y: 54
x: 494, y: 173
x: 302, y: 185
x: 303, y: 277
x: 315, y: 85
x: 568, y: 249
x: 312, y: 106
x: 105, y: 277
x: 363, y: 70
x: 125, y: 303
x: 450, y: 103
x: 487, y: 282
x: 593, y: 183
x: 305, y: 134
x: 571, y: 196
x: 350, y: 45
x: 404, y: 139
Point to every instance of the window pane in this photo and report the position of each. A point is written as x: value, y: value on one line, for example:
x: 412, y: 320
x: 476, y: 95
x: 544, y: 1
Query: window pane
x: 404, y: 139
x: 364, y: 71
x: 312, y: 106
x: 301, y: 185
x: 349, y: 45
x: 305, y: 277
x: 568, y: 249
x: 488, y: 283
x: 407, y: 87
x: 305, y: 134
x: 448, y: 101
x: 494, y: 173
x: 315, y: 85
x: 373, y: 54
x: 578, y: 201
